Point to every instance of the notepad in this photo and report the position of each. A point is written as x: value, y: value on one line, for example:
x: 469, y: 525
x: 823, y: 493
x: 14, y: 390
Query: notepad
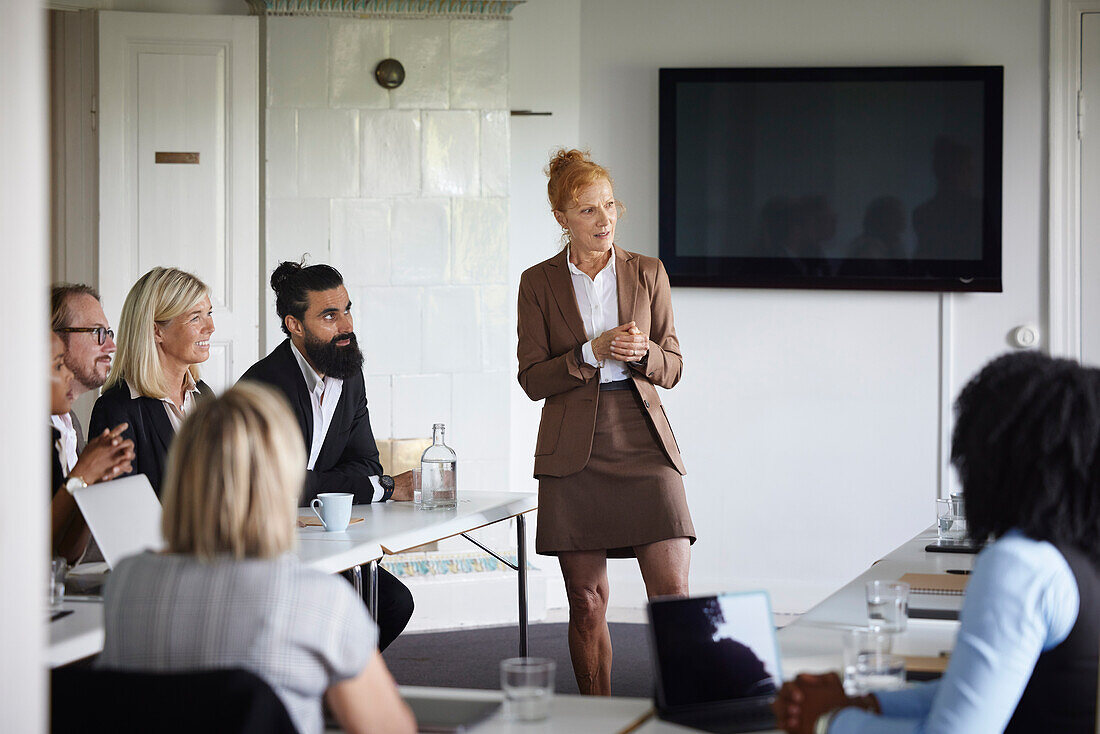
x: 305, y: 521
x: 936, y: 583
x: 926, y: 663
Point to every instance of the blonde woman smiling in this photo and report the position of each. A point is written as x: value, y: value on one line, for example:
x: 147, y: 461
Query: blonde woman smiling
x: 163, y: 335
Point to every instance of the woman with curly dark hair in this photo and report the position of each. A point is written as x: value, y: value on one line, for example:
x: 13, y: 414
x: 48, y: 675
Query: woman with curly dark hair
x: 1027, y: 450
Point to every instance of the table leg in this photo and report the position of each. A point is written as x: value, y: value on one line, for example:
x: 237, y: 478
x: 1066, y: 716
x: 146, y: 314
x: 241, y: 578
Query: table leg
x: 372, y: 589
x: 357, y: 580
x: 521, y: 561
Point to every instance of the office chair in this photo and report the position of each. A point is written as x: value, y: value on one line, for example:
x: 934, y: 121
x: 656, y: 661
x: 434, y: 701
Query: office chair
x: 232, y: 701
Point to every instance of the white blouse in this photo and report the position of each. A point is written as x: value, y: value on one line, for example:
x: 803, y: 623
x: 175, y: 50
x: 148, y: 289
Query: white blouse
x: 66, y: 445
x: 598, y: 301
x: 176, y: 414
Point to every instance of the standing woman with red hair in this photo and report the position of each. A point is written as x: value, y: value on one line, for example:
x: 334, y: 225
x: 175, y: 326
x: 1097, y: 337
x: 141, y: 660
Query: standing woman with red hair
x: 595, y: 335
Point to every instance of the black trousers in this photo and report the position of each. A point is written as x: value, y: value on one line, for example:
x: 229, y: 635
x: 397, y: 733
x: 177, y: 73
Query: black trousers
x: 395, y: 606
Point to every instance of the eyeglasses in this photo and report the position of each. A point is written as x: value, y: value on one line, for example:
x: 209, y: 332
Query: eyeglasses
x: 101, y: 332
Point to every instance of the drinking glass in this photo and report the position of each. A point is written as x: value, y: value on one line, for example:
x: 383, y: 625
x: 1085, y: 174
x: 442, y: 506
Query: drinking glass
x: 951, y: 519
x: 861, y: 642
x: 416, y: 482
x: 888, y: 605
x: 878, y: 672
x: 58, y: 569
x: 528, y: 685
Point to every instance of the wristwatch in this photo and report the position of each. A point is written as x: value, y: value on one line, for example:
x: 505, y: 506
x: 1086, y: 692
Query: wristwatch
x: 74, y: 483
x: 387, y: 484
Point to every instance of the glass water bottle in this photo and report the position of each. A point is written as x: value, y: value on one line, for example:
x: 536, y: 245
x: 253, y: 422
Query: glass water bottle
x: 438, y: 489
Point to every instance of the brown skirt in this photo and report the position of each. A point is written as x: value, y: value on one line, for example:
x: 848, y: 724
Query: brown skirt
x: 629, y: 494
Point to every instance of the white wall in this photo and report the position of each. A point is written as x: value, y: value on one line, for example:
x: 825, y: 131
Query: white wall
x: 24, y: 548
x: 545, y: 74
x: 809, y: 421
x: 406, y: 193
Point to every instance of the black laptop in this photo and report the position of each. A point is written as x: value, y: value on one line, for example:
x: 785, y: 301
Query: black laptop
x: 715, y: 661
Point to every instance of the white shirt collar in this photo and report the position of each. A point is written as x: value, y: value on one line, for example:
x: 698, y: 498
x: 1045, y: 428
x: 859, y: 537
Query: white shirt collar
x: 314, y: 382
x: 63, y: 422
x: 67, y: 441
x: 188, y: 378
x: 577, y: 271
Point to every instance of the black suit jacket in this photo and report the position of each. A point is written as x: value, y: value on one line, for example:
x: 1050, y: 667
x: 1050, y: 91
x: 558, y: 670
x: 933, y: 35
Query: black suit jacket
x: 149, y: 429
x: 57, y: 476
x: 81, y: 442
x: 349, y: 455
x: 56, y: 473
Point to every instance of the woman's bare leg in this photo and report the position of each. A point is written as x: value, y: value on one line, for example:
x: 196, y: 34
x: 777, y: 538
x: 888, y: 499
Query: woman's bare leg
x: 586, y: 587
x: 664, y: 566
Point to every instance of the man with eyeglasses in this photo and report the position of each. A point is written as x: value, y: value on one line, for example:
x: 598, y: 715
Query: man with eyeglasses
x: 76, y: 315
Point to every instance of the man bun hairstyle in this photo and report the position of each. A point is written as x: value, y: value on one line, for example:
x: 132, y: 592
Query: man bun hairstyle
x: 294, y: 281
x: 1026, y: 447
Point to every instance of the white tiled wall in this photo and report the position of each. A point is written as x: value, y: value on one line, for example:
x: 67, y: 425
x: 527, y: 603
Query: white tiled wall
x: 406, y: 193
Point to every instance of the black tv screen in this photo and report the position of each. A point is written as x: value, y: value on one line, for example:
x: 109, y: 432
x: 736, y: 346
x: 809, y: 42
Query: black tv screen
x: 876, y: 178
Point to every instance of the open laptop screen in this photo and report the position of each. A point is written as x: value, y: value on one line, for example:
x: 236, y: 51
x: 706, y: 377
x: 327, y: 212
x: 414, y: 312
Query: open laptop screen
x: 714, y: 648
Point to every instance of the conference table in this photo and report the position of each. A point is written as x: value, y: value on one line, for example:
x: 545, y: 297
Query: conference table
x: 386, y: 529
x: 395, y: 527
x: 811, y: 644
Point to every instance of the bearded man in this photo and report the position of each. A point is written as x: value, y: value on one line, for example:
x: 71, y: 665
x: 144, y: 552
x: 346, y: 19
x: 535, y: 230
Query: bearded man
x: 76, y: 315
x: 319, y: 369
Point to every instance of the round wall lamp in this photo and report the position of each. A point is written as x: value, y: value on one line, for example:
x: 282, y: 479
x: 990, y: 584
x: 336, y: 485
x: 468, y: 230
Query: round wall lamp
x: 390, y: 73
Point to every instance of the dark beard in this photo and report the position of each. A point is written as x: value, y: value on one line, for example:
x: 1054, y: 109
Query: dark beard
x: 332, y: 360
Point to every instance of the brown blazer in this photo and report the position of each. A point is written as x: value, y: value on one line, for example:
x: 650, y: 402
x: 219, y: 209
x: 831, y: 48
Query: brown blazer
x: 550, y: 334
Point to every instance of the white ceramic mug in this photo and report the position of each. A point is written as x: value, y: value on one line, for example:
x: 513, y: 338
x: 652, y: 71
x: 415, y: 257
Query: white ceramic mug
x: 335, y: 513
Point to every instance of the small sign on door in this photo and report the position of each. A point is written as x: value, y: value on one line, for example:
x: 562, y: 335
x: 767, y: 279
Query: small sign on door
x: 177, y: 157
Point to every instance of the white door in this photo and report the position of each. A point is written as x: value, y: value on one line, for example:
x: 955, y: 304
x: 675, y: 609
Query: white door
x: 1090, y: 188
x: 178, y: 170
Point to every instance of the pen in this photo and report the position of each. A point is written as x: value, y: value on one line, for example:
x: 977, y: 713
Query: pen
x: 638, y: 722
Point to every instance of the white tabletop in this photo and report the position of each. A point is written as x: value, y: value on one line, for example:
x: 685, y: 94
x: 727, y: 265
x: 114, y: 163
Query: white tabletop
x: 847, y: 607
x: 813, y: 643
x: 77, y: 635
x: 657, y: 726
x: 394, y: 527
x: 387, y: 528
x: 569, y: 714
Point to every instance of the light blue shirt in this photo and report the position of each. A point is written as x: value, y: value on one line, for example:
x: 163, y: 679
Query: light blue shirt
x: 1021, y: 600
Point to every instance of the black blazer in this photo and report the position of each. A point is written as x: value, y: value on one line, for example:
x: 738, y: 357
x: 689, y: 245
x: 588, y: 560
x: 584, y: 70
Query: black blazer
x: 57, y: 476
x: 81, y: 442
x: 149, y: 429
x: 349, y: 455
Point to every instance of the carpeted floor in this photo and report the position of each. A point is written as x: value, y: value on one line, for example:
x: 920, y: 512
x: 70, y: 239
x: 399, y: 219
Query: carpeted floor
x: 471, y: 658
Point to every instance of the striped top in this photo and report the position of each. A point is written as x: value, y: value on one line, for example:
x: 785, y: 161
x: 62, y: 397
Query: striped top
x: 299, y: 630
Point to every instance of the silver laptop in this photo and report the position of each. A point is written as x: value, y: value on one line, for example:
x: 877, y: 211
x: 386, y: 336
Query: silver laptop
x: 716, y: 661
x: 123, y: 515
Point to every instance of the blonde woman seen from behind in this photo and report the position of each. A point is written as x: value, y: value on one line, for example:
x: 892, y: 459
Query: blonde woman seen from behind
x: 163, y: 335
x: 228, y: 593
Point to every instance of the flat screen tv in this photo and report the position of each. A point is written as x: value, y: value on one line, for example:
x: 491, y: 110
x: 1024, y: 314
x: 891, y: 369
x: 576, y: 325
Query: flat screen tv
x: 862, y: 178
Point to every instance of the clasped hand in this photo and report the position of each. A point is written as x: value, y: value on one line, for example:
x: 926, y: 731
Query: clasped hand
x: 801, y: 701
x: 625, y: 343
x: 106, y: 456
